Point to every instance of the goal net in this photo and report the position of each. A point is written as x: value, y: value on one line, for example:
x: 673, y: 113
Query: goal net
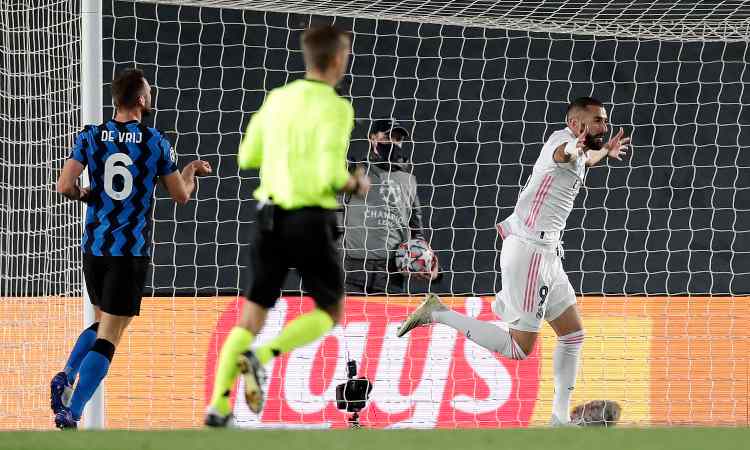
x: 656, y: 247
x: 39, y: 231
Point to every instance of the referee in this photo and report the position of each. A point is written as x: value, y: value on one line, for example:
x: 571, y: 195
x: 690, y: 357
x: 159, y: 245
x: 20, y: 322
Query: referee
x: 298, y: 139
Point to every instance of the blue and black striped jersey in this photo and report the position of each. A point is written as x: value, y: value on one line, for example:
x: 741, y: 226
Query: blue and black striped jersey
x: 124, y: 160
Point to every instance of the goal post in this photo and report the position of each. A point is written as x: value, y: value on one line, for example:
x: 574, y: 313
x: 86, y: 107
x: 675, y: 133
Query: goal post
x: 91, y: 113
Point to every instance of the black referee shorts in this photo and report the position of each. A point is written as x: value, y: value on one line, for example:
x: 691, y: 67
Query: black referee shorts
x: 115, y: 283
x: 305, y: 239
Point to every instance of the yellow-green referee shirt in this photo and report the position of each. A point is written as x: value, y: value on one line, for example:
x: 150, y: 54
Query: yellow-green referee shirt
x: 299, y: 139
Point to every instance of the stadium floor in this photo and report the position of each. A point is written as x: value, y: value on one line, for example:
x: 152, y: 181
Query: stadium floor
x: 517, y: 439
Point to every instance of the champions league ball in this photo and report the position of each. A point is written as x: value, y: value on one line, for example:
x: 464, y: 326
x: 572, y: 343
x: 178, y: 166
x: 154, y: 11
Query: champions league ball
x: 415, y: 255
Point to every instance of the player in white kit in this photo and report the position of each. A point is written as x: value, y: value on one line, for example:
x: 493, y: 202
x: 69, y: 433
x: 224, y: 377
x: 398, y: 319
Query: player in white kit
x: 535, y: 286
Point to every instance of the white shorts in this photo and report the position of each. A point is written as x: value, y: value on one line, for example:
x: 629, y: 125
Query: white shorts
x: 535, y: 286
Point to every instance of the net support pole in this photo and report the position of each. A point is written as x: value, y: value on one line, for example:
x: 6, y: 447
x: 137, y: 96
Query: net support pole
x: 91, y: 112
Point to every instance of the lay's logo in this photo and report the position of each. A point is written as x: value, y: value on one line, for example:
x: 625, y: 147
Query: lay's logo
x: 433, y: 377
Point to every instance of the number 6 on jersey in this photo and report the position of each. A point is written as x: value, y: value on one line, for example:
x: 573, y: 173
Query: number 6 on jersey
x: 111, y: 169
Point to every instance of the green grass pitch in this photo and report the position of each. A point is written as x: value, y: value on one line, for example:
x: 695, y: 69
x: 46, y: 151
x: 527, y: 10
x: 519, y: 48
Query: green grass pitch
x: 516, y: 439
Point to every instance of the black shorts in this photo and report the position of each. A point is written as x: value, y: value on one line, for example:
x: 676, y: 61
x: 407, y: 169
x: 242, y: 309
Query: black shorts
x: 305, y: 239
x: 115, y: 283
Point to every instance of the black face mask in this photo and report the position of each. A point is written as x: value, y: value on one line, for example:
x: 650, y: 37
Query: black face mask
x: 388, y: 152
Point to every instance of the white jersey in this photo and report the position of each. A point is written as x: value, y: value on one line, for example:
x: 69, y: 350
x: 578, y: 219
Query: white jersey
x: 535, y: 286
x: 546, y: 201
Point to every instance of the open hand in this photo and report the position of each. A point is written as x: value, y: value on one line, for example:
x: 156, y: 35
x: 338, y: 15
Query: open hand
x: 617, y: 145
x: 581, y: 145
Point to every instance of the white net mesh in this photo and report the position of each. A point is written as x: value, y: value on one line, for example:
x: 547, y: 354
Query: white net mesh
x: 39, y: 231
x: 479, y: 103
x: 670, y: 20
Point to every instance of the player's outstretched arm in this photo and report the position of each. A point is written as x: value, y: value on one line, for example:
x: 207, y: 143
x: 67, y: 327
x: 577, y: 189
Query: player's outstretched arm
x: 67, y: 183
x: 181, y: 185
x: 614, y: 148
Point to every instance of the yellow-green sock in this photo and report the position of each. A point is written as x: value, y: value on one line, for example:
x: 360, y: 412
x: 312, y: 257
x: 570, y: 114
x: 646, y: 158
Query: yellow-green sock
x: 237, y: 342
x: 301, y: 331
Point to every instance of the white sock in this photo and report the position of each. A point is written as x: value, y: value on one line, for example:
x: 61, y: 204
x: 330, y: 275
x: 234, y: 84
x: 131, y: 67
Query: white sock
x: 565, y: 363
x: 487, y: 335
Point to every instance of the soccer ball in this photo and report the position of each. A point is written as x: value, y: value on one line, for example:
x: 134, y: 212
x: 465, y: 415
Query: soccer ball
x: 415, y: 255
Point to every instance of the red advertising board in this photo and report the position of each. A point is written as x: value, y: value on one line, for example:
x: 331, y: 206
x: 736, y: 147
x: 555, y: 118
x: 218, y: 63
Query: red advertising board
x: 433, y: 377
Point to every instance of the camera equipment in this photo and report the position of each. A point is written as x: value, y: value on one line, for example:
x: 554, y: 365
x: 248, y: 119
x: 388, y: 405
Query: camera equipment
x: 352, y: 396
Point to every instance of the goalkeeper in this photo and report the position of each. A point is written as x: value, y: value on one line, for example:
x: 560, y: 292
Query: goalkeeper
x: 374, y: 226
x: 298, y: 139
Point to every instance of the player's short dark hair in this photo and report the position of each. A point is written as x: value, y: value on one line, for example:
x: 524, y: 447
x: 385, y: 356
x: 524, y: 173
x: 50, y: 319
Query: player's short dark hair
x: 581, y: 103
x: 127, y: 87
x: 321, y: 45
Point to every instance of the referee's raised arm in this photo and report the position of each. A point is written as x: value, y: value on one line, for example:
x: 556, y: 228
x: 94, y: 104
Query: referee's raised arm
x: 299, y: 140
